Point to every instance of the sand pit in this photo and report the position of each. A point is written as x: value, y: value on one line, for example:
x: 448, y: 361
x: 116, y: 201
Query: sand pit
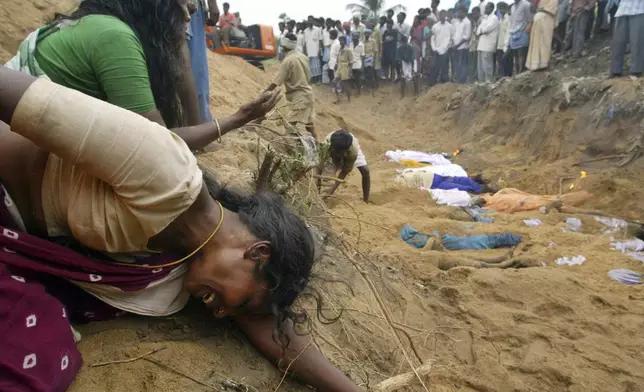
x: 544, y: 328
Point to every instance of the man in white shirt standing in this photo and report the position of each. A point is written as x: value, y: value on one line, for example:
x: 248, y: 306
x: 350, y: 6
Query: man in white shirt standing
x: 357, y: 26
x: 403, y: 27
x: 488, y: 32
x: 461, y: 45
x: 313, y: 44
x: 441, y: 41
x: 504, y: 67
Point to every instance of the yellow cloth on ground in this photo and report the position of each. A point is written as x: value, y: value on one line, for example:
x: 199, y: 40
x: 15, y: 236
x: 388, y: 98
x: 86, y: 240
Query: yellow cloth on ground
x: 295, y: 75
x: 113, y: 179
x: 543, y: 28
x: 412, y: 163
x: 513, y: 200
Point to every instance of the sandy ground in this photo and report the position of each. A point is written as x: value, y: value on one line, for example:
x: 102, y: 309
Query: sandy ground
x: 548, y: 328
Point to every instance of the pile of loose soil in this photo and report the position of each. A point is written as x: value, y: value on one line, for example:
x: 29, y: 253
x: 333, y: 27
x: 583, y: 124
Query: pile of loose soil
x: 547, y: 328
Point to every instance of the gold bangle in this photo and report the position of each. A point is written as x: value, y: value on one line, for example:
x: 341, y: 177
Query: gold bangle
x: 218, y: 130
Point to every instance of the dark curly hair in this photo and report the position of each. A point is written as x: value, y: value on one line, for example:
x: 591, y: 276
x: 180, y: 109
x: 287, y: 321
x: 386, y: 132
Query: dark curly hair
x: 160, y: 25
x: 292, y: 257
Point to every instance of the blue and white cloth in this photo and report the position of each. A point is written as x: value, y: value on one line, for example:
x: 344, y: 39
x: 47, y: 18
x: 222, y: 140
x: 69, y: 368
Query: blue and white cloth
x: 518, y: 40
x: 316, y: 66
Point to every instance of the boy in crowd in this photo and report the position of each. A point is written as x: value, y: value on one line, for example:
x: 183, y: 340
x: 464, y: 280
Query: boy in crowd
x: 371, y: 58
x: 389, y: 46
x: 342, y: 149
x: 441, y: 41
x: 407, y: 58
x: 488, y: 33
x: 295, y: 76
x: 358, y: 56
x: 343, y: 69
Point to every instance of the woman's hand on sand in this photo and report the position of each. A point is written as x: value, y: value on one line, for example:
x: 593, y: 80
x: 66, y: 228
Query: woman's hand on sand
x: 260, y: 106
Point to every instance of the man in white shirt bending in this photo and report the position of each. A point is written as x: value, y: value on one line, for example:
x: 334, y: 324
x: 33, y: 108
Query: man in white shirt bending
x: 441, y: 41
x: 461, y: 45
x: 488, y: 33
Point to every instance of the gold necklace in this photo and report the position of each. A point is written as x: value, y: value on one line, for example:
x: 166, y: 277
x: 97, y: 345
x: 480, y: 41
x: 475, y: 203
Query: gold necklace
x: 221, y: 221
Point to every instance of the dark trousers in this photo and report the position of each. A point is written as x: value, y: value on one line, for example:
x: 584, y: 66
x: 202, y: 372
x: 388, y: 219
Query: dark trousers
x: 331, y: 74
x: 519, y: 57
x: 601, y: 15
x: 440, y: 70
x: 628, y: 29
x: 473, y: 66
x: 590, y: 23
x: 461, y: 60
x: 576, y: 32
x: 504, y: 64
x: 451, y: 58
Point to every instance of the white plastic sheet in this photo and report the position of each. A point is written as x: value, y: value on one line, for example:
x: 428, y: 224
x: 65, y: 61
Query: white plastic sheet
x: 576, y: 260
x: 450, y: 197
x: 418, y: 156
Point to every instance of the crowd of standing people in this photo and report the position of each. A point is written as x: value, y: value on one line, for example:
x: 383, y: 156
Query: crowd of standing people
x: 464, y: 44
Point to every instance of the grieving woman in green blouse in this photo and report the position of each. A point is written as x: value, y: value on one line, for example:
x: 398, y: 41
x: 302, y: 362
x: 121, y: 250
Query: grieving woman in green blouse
x: 132, y: 54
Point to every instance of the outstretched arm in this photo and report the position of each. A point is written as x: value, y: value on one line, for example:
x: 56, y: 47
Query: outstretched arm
x: 200, y: 136
x: 310, y: 367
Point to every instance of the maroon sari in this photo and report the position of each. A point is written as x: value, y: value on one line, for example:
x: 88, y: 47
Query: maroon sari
x: 37, y: 301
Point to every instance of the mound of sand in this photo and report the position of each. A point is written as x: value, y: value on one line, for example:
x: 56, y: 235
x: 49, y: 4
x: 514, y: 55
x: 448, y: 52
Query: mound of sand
x: 547, y: 328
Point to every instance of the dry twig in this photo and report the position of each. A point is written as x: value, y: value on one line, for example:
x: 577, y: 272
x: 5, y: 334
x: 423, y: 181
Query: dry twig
x: 403, y: 380
x: 291, y: 363
x: 172, y: 370
x: 128, y: 360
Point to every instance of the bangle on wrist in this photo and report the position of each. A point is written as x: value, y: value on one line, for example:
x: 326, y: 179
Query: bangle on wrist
x: 218, y: 130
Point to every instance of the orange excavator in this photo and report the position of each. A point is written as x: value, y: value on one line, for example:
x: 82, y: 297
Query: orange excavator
x: 254, y: 43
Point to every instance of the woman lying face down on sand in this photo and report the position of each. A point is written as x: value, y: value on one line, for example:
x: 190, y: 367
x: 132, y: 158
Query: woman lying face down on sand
x: 76, y: 168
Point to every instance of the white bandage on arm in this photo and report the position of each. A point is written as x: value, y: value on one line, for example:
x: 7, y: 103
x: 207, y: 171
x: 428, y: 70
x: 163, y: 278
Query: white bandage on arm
x: 120, y: 178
